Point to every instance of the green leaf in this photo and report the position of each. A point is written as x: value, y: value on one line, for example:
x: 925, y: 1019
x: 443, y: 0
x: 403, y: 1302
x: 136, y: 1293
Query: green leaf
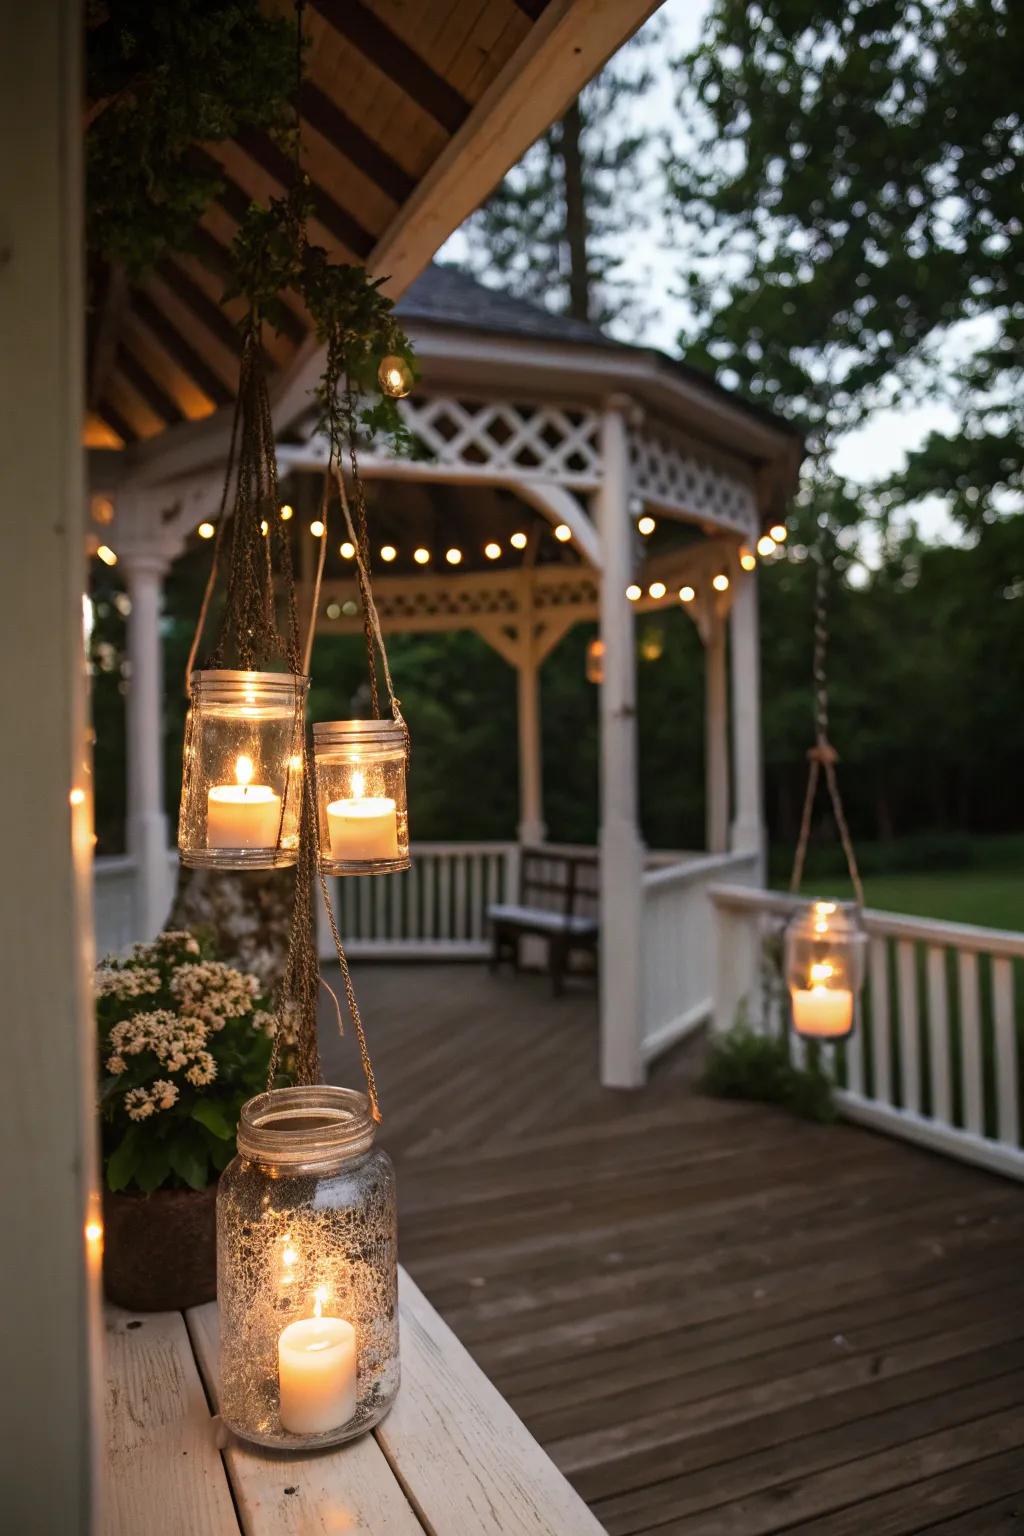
x: 190, y: 1165
x: 152, y: 1169
x: 211, y: 1114
x: 122, y: 1162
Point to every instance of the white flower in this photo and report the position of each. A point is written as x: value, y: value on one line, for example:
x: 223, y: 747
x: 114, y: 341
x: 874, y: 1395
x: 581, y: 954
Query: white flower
x: 214, y: 992
x: 163, y: 1093
x: 115, y: 1064
x: 138, y: 1104
x: 203, y: 1071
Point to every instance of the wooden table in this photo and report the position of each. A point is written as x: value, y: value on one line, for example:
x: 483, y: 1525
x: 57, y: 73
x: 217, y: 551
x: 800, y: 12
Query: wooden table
x: 451, y: 1458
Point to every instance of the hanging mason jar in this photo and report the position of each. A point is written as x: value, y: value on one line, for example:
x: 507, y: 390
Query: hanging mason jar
x: 825, y: 948
x: 362, y: 814
x: 241, y: 790
x: 307, y: 1271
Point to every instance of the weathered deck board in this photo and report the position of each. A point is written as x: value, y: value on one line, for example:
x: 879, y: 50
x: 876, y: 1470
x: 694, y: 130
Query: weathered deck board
x: 720, y: 1321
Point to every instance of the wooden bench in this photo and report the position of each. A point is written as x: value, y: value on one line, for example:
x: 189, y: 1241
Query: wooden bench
x: 450, y: 1459
x: 558, y: 902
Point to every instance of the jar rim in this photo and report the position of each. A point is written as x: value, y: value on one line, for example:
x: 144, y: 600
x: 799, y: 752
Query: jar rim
x: 312, y: 1127
x: 361, y: 732
x: 291, y: 681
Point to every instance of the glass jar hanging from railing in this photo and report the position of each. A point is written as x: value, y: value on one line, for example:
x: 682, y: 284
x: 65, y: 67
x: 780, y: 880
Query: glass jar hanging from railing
x: 362, y: 813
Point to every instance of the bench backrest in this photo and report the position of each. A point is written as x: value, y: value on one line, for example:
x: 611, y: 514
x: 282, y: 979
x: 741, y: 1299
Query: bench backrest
x: 568, y: 883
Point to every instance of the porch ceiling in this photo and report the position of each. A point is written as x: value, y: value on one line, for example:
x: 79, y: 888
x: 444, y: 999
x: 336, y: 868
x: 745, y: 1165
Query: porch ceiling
x: 411, y: 115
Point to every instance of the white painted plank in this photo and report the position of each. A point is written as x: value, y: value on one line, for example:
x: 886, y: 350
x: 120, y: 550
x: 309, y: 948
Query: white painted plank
x: 970, y: 1042
x: 364, y: 925
x: 163, y: 1472
x: 855, y: 1051
x: 459, y: 874
x: 380, y: 904
x: 938, y: 1035
x: 467, y: 1462
x: 396, y: 884
x: 351, y: 1489
x: 476, y: 896
x: 1006, y: 1052
x: 910, y: 1054
x: 428, y: 866
x: 412, y: 901
x: 444, y: 883
x: 879, y: 959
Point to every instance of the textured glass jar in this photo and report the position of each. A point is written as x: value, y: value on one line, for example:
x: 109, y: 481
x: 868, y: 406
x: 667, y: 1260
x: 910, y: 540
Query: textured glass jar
x: 241, y: 787
x: 825, y: 946
x: 362, y: 813
x: 307, y: 1271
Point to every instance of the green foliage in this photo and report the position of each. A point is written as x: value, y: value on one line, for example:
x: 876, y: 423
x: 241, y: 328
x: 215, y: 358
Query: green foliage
x: 745, y: 1065
x: 853, y: 192
x: 161, y: 79
x: 182, y: 1044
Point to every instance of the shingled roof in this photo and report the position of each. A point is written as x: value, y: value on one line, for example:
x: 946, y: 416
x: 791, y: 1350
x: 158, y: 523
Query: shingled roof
x: 446, y: 296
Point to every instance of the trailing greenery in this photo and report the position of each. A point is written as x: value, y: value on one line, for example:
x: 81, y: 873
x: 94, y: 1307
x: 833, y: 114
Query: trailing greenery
x: 161, y: 79
x: 745, y: 1065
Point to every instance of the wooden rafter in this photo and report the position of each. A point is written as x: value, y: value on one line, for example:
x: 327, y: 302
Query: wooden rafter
x: 113, y: 418
x: 358, y: 25
x: 345, y: 228
x: 345, y: 135
x: 184, y: 354
x: 210, y: 314
x: 157, y: 398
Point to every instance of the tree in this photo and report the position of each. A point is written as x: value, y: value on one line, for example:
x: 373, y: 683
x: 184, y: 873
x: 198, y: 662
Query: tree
x: 562, y: 228
x: 853, y: 193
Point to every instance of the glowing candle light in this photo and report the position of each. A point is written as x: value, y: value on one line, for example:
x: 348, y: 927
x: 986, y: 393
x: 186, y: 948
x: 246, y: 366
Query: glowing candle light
x: 316, y: 1362
x: 363, y: 827
x: 243, y: 814
x: 821, y: 1010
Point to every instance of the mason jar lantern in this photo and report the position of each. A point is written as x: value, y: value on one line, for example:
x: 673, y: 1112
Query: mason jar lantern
x: 241, y: 790
x: 307, y: 1271
x: 362, y: 814
x: 824, y: 956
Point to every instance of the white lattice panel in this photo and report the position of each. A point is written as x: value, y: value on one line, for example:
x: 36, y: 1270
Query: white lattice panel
x: 574, y: 589
x: 673, y: 471
x: 508, y: 439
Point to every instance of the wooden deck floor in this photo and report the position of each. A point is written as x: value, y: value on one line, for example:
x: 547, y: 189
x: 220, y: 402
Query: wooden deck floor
x: 719, y: 1321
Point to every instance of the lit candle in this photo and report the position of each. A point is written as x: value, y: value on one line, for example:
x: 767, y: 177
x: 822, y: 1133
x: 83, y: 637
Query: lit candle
x: 820, y: 1010
x: 316, y: 1361
x: 363, y: 828
x: 243, y: 814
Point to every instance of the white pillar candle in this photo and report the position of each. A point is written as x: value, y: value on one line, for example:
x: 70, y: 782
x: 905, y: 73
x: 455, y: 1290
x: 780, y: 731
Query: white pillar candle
x: 316, y: 1359
x: 362, y: 828
x: 242, y: 815
x: 824, y: 1012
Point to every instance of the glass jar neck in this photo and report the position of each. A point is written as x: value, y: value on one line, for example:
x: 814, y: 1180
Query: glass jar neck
x: 315, y: 1129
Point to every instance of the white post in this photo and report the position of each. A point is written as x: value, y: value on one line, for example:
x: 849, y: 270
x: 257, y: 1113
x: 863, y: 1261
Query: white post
x: 50, y: 1360
x: 748, y: 822
x: 621, y: 851
x: 531, y: 790
x: 716, y: 748
x: 147, y: 822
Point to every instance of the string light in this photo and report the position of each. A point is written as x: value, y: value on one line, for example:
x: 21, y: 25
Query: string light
x: 779, y: 532
x: 421, y: 555
x: 518, y: 541
x: 492, y: 551
x: 563, y: 533
x: 334, y: 610
x: 316, y: 528
x: 657, y: 589
x: 454, y: 556
x: 748, y: 559
x: 765, y: 546
x: 394, y: 376
x: 388, y: 552
x: 720, y: 582
x: 346, y: 550
x: 286, y: 512
x: 102, y: 510
x: 106, y: 554
x: 686, y: 594
x: 206, y: 530
x: 633, y: 592
x: 645, y: 526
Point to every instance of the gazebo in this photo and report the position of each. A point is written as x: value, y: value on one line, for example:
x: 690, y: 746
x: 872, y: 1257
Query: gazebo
x: 559, y: 476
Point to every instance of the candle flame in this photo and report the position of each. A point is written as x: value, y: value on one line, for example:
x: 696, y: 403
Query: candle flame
x: 822, y: 971
x: 358, y: 785
x: 244, y: 770
x: 320, y: 1296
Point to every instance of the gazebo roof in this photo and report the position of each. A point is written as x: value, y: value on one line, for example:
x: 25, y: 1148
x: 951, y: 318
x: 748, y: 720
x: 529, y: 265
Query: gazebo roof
x: 446, y: 296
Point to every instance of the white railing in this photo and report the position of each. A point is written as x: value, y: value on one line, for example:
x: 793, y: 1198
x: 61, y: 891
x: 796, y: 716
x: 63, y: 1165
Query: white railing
x: 935, y: 1055
x: 677, y: 942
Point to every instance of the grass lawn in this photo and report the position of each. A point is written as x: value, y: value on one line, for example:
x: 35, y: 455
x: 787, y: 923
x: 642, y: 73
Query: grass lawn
x: 993, y: 899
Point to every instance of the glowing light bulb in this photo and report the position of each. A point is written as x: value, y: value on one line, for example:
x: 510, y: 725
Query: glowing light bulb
x: 244, y: 770
x: 316, y: 528
x: 518, y: 541
x: 106, y: 554
x: 779, y: 532
x: 206, y: 530
x: 421, y: 555
x: 394, y: 376
x: 346, y: 550
x: 633, y: 592
x: 454, y: 556
x: 358, y: 785
x: 765, y: 546
x: 563, y: 533
x: 645, y: 526
x: 388, y: 552
x: 287, y: 512
x: 492, y: 551
x: 657, y: 589
x: 748, y: 559
x: 686, y: 594
x: 720, y: 582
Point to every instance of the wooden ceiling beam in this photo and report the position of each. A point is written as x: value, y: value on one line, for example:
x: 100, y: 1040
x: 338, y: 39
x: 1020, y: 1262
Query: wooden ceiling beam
x: 216, y: 258
x: 155, y: 396
x: 531, y: 8
x: 346, y: 136
x: 346, y: 229
x: 205, y: 309
x: 183, y: 353
x: 358, y: 25
x: 116, y: 422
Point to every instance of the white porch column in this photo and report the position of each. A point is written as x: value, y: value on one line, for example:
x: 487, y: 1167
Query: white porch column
x: 532, y: 830
x: 620, y: 846
x: 147, y: 823
x: 716, y: 737
x: 748, y: 821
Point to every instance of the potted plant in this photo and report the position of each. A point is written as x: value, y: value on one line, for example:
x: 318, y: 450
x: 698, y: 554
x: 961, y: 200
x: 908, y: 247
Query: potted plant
x: 184, y: 1040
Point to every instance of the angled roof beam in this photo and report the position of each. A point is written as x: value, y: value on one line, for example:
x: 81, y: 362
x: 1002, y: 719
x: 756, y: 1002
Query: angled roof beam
x: 358, y: 25
x: 216, y: 258
x: 346, y: 136
x: 346, y: 230
x: 154, y: 395
x: 177, y: 347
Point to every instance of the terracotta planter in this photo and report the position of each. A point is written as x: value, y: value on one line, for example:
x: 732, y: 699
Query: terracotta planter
x: 160, y: 1250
